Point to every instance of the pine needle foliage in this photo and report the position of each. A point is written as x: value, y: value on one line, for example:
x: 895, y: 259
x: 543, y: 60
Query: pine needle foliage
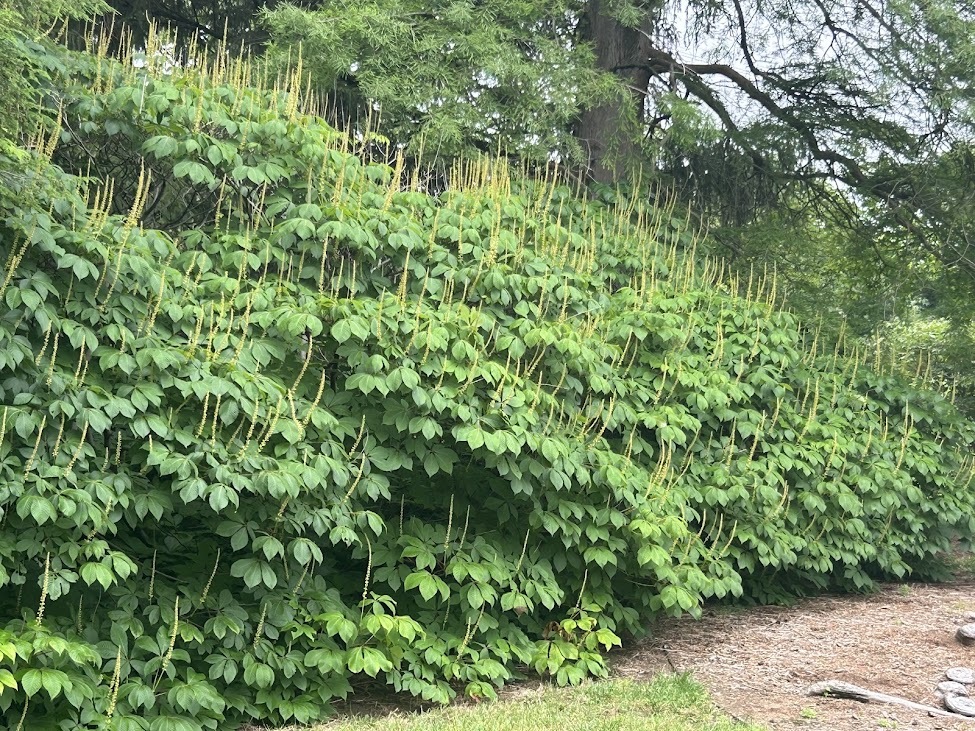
x: 276, y: 423
x: 449, y: 78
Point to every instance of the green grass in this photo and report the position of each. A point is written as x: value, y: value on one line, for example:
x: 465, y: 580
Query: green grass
x: 668, y: 703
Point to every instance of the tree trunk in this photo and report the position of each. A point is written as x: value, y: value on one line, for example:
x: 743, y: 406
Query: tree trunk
x: 611, y: 131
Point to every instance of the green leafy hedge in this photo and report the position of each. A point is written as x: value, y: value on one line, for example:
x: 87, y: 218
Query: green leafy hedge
x: 276, y: 423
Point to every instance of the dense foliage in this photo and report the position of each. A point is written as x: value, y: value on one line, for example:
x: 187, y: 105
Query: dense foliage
x: 838, y: 146
x: 283, y: 423
x: 21, y: 73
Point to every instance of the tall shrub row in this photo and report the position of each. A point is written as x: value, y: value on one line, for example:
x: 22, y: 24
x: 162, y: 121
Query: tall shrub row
x: 276, y: 422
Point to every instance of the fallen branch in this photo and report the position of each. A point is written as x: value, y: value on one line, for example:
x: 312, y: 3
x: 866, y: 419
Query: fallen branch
x: 840, y: 689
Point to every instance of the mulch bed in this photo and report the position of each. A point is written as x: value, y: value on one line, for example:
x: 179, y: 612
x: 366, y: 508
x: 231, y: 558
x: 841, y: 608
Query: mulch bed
x: 758, y: 662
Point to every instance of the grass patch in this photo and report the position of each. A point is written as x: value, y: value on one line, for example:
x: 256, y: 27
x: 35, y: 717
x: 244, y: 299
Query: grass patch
x: 668, y: 703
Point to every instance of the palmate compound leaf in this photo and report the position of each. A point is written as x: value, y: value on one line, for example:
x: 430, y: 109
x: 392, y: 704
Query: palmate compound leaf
x: 428, y: 585
x: 368, y: 660
x: 52, y: 681
x: 100, y: 573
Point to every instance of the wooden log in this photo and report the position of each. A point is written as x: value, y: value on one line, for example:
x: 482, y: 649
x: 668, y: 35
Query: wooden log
x: 841, y: 689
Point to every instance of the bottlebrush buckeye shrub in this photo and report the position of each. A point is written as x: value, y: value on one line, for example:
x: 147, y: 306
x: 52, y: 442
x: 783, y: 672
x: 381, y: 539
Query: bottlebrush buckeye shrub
x: 275, y: 422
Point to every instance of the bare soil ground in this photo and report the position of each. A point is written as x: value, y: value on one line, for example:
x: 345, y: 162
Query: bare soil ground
x: 757, y: 663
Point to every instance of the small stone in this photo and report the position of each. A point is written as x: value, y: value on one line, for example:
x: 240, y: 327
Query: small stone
x: 966, y: 634
x: 969, y: 616
x: 960, y: 704
x: 961, y: 675
x: 950, y: 687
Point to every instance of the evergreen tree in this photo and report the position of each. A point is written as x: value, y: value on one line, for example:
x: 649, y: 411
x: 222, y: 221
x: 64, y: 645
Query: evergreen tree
x: 453, y: 76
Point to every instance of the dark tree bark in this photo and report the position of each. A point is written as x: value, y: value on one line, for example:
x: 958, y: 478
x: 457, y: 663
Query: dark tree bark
x: 611, y: 130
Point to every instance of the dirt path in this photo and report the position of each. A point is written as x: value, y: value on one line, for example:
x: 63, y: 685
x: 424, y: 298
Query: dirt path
x: 758, y: 662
